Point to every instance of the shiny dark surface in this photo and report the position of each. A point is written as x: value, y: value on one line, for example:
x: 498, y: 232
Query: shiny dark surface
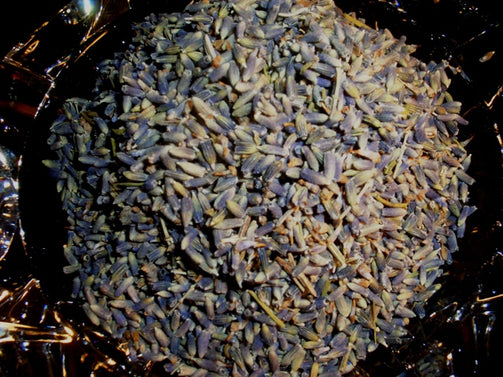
x: 461, y: 334
x: 30, y: 69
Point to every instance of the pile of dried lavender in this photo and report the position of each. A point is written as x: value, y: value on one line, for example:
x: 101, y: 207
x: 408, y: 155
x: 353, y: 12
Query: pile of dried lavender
x: 260, y: 188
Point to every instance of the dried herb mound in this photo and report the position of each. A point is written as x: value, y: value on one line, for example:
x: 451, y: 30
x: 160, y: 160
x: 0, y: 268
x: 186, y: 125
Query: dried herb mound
x: 260, y: 188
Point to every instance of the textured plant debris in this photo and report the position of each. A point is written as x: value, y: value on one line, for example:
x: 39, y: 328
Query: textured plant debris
x: 260, y: 188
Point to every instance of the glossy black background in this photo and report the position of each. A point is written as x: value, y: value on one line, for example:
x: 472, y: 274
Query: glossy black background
x: 460, y: 336
x: 20, y: 18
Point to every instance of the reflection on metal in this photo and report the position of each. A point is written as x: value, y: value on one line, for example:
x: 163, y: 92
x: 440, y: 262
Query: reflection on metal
x: 21, y: 321
x: 496, y: 95
x: 13, y: 332
x: 9, y: 213
x: 498, y: 133
x: 487, y: 56
x: 29, y: 70
x: 35, y: 337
